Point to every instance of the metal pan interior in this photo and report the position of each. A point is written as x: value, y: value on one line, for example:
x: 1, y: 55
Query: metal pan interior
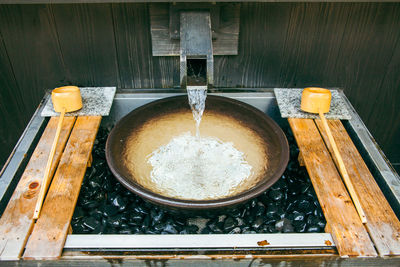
x: 145, y: 129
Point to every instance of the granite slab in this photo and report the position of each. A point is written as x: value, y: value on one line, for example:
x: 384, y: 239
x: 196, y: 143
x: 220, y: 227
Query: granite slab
x: 96, y: 101
x: 289, y: 105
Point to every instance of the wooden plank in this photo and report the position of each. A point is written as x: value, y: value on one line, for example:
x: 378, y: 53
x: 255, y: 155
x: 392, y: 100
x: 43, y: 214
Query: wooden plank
x: 16, y: 222
x: 51, y: 229
x: 383, y: 225
x: 350, y: 236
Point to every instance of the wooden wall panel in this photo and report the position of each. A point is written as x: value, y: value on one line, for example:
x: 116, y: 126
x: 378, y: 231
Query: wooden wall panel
x: 86, y: 41
x: 30, y: 38
x: 137, y: 67
x: 355, y: 46
x: 29, y: 62
x: 11, y: 105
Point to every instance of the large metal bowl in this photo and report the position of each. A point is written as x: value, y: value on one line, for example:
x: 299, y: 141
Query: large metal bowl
x: 261, y: 128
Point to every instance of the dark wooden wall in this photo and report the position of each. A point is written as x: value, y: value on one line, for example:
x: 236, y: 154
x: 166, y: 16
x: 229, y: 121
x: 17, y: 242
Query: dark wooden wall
x: 355, y: 46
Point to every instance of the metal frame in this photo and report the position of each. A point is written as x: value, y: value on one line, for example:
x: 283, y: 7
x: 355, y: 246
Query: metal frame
x: 232, y: 241
x: 379, y: 165
x: 12, y: 169
x: 320, y: 244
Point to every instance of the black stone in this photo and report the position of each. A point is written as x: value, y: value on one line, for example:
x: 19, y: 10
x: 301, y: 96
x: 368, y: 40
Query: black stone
x: 94, y: 185
x: 135, y: 219
x: 78, y: 213
x: 260, y: 209
x: 235, y: 230
x: 146, y: 223
x: 213, y: 225
x: 287, y: 227
x: 257, y: 223
x: 290, y: 205
x: 110, y: 211
x: 298, y: 216
x: 190, y: 229
x: 90, y: 223
x: 305, y: 206
x: 229, y: 224
x: 281, y: 224
x: 156, y: 216
x: 119, y: 203
x: 272, y: 209
x: 115, y: 221
x: 321, y: 223
x: 249, y: 232
x: 125, y: 231
x: 206, y: 230
x: 313, y: 229
x: 169, y: 228
x: 108, y: 186
x: 235, y: 213
x: 275, y: 195
x: 300, y: 227
x: 141, y: 210
x: 97, y: 214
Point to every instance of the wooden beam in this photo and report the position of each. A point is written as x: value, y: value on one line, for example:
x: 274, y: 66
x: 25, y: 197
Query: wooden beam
x: 16, y: 222
x: 51, y: 229
x: 382, y: 223
x: 349, y: 234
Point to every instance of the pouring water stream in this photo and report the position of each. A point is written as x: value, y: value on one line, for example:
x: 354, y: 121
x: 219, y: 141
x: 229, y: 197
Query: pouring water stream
x: 197, y: 100
x: 194, y: 167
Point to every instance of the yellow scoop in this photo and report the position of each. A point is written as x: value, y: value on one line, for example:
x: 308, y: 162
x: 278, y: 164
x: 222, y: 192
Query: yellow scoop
x: 318, y: 100
x: 65, y: 99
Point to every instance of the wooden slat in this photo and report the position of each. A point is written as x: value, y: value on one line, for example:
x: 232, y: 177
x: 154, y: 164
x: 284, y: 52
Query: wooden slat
x: 350, y: 236
x: 383, y: 225
x: 51, y: 229
x: 16, y: 221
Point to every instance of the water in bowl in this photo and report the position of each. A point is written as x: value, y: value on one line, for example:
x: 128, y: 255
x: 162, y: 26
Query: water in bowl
x: 195, y: 167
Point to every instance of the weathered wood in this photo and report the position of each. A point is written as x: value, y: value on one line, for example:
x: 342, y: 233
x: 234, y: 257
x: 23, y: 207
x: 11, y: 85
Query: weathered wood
x: 89, y: 30
x: 300, y: 159
x: 137, y: 66
x: 29, y: 63
x: 383, y: 225
x: 342, y: 169
x: 51, y: 229
x: 351, y: 238
x: 225, y: 44
x: 16, y: 221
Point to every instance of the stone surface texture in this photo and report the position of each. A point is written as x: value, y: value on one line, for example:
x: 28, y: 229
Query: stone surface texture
x: 96, y: 101
x: 289, y: 105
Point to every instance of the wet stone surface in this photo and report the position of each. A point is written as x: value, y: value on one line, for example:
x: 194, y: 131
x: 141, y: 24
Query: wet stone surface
x: 106, y: 207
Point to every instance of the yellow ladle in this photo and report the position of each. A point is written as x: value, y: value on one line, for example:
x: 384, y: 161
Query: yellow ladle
x: 65, y: 99
x: 318, y: 100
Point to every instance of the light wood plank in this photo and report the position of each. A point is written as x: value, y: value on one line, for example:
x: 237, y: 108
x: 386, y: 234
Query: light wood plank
x: 16, y: 221
x: 350, y: 236
x: 382, y: 223
x: 51, y: 229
